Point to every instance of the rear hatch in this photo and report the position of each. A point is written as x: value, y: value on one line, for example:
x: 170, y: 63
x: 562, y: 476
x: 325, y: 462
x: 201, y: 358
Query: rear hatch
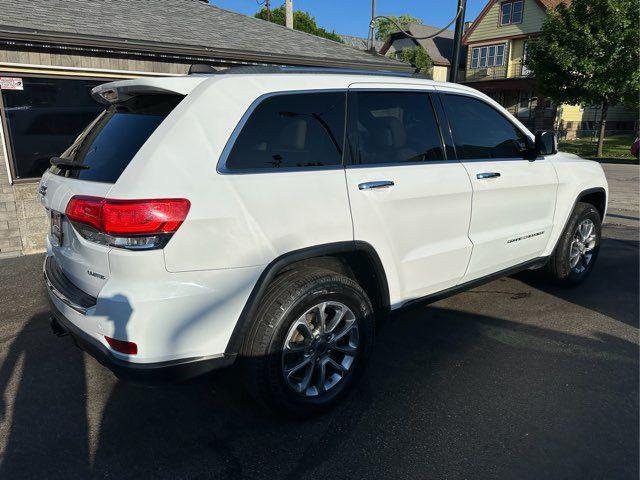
x: 91, y: 166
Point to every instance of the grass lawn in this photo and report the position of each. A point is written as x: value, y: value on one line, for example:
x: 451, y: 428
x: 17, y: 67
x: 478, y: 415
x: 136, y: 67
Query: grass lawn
x: 615, y: 147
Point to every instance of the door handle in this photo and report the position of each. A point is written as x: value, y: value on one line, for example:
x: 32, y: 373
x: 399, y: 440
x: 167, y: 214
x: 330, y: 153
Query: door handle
x: 376, y: 184
x: 482, y: 176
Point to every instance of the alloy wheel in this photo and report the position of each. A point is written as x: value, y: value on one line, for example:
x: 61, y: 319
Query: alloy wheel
x: 320, y: 349
x: 582, y: 245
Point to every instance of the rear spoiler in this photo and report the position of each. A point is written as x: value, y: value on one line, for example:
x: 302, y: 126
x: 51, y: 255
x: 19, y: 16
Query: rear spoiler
x: 123, y: 90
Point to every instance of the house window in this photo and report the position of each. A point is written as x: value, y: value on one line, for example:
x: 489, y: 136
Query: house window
x: 511, y: 12
x: 525, y: 99
x: 488, y: 56
x: 44, y: 118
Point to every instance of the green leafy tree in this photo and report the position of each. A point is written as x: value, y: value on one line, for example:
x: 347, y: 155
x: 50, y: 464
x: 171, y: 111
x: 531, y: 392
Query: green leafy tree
x: 301, y: 21
x: 419, y: 58
x: 384, y: 27
x: 587, y: 53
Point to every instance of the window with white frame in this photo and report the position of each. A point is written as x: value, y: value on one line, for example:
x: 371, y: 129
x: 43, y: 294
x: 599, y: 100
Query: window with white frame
x: 511, y: 12
x: 487, y: 56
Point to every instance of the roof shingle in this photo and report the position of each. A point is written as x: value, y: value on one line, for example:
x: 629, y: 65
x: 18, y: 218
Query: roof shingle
x: 182, y: 23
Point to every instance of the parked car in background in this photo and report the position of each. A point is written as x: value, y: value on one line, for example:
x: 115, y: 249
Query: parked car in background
x: 273, y: 217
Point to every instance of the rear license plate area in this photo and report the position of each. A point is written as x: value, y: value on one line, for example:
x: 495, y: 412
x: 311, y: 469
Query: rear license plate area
x: 56, y: 227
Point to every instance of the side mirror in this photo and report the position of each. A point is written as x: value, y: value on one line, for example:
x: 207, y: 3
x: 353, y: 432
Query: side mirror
x: 546, y: 143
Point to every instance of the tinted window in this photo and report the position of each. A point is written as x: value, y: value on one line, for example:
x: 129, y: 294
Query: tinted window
x: 291, y: 131
x: 109, y: 143
x: 390, y: 127
x: 44, y: 118
x: 480, y: 131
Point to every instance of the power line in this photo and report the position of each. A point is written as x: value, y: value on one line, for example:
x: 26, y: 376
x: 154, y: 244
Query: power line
x: 372, y: 25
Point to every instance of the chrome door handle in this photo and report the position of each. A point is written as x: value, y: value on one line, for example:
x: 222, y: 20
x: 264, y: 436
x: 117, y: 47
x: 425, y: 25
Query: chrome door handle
x: 482, y: 176
x: 377, y: 184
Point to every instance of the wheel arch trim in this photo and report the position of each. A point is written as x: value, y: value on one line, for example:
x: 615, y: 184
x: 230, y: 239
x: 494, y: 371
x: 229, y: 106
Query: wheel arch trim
x: 578, y: 197
x: 589, y: 191
x: 283, y: 261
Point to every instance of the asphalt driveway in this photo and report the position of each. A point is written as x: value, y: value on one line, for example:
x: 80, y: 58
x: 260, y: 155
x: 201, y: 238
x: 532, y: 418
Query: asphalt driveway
x: 514, y: 379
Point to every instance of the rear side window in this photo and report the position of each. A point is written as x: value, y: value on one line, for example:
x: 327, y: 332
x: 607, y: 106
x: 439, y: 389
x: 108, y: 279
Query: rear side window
x: 291, y: 131
x: 108, y: 144
x: 480, y: 131
x: 393, y: 127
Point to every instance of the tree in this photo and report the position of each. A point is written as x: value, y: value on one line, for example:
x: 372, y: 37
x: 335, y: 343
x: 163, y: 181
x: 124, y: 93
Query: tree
x: 587, y: 53
x: 419, y: 58
x: 301, y: 21
x: 384, y: 27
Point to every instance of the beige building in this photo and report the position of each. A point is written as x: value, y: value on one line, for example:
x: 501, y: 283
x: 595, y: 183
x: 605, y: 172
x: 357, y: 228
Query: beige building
x: 496, y: 50
x: 52, y: 52
x: 439, y: 48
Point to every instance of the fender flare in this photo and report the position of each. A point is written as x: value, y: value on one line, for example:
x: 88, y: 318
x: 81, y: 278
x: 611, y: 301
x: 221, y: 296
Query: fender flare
x: 280, y: 263
x: 579, y: 197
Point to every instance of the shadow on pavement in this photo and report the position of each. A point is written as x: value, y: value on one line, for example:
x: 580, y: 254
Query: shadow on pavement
x: 611, y: 289
x: 447, y: 394
x: 48, y: 433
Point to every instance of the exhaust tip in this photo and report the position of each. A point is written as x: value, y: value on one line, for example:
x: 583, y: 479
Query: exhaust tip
x: 57, y: 329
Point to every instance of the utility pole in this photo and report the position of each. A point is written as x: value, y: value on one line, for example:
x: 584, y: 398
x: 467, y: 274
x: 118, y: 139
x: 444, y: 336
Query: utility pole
x: 371, y: 29
x: 266, y: 4
x: 289, y: 14
x: 457, y: 41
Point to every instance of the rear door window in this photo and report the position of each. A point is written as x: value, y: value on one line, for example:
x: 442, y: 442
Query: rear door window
x: 300, y: 130
x: 110, y: 142
x: 393, y: 127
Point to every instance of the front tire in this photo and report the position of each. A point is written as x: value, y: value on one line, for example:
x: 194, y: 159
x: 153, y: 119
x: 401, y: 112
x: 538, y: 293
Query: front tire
x: 309, y: 342
x: 577, y: 248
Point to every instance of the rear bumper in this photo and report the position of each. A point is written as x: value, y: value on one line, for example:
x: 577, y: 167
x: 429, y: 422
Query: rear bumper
x: 173, y: 371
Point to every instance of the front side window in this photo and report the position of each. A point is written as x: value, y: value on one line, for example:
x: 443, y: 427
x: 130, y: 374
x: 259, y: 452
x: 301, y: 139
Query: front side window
x: 43, y: 119
x: 487, y: 56
x: 511, y: 12
x: 392, y: 127
x: 291, y: 131
x: 480, y: 131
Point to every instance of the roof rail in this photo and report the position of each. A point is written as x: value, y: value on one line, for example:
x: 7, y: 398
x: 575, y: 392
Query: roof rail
x: 198, y: 69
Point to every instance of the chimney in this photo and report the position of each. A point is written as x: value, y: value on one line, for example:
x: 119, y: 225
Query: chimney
x: 289, y: 14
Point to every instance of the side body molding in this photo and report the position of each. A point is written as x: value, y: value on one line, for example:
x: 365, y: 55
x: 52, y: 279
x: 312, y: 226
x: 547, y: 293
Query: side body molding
x: 283, y: 261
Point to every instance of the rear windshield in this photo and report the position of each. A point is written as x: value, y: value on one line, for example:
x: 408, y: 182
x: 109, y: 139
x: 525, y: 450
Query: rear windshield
x: 105, y: 148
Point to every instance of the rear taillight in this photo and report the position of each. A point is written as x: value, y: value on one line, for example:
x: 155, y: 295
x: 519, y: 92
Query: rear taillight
x: 131, y: 224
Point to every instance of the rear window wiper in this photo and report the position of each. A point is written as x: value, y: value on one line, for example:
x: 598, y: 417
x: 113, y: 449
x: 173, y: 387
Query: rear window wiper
x: 63, y: 164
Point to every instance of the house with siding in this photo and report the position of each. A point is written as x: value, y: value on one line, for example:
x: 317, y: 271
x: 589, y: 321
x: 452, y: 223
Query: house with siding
x: 439, y: 48
x: 495, y: 64
x: 53, y: 52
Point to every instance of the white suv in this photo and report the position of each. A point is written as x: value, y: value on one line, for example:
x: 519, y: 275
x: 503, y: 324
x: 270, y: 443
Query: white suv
x: 273, y: 218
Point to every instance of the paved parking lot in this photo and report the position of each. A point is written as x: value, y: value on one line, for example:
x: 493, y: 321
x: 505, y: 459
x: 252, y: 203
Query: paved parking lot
x: 514, y: 379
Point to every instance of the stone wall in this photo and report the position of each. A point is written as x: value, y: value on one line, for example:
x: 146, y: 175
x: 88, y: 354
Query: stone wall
x: 32, y: 218
x: 10, y: 236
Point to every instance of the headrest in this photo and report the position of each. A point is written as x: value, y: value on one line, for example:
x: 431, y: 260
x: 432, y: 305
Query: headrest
x: 294, y: 134
x: 389, y: 132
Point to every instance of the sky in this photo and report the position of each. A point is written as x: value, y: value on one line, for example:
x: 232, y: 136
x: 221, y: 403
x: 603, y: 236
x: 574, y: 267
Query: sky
x: 351, y: 17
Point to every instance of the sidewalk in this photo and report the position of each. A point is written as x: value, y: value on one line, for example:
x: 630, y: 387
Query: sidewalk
x: 624, y: 195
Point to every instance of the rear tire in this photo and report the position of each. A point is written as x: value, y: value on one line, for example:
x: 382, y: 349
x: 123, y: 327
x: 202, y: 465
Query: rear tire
x: 577, y: 248
x: 292, y: 363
